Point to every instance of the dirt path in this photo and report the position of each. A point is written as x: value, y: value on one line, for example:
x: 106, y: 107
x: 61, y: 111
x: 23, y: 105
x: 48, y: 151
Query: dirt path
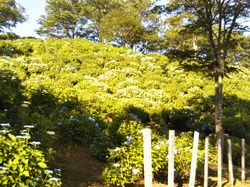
x: 79, y: 168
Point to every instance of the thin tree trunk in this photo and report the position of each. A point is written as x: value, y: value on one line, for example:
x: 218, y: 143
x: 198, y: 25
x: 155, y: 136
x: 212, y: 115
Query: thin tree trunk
x: 219, y: 74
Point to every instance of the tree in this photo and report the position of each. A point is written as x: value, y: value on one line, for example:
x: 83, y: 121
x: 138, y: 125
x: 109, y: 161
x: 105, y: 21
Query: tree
x: 121, y: 28
x: 241, y: 53
x: 218, y: 19
x: 132, y: 23
x: 63, y: 18
x: 94, y: 11
x: 11, y: 13
x: 9, y: 36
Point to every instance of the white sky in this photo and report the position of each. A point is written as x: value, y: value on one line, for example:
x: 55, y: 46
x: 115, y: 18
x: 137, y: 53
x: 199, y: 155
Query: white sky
x: 34, y: 8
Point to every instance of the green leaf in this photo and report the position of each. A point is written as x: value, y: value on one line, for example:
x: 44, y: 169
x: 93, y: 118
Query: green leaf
x: 12, y: 137
x: 42, y: 165
x: 26, y: 173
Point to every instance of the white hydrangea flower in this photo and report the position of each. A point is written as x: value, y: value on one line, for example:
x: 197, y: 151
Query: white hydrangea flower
x: 157, y: 147
x: 135, y: 171
x: 116, y: 165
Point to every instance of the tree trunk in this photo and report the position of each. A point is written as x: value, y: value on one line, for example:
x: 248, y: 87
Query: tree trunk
x: 218, y: 75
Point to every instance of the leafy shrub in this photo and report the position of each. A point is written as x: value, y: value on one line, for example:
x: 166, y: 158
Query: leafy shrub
x: 21, y: 161
x: 114, y: 86
x: 100, y: 145
x: 42, y: 102
x: 10, y: 96
x: 184, y: 145
x: 236, y: 151
x: 76, y: 126
x: 126, y: 161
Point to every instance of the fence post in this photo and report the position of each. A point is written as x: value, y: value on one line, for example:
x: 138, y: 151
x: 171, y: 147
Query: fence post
x: 243, y: 161
x: 171, y: 158
x: 194, y: 159
x: 219, y: 172
x: 147, y: 157
x: 206, y: 162
x: 230, y: 162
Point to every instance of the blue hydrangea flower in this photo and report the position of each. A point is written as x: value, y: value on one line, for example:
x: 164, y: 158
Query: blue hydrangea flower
x: 59, y: 123
x: 72, y: 119
x: 96, y: 125
x: 91, y: 119
x: 57, y: 170
x: 129, y: 139
x: 63, y: 109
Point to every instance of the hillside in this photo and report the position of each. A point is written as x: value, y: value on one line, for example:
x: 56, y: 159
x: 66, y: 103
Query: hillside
x: 99, y: 95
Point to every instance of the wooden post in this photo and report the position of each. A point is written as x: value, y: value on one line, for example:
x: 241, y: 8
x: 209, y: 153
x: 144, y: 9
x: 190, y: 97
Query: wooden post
x: 206, y: 162
x: 243, y: 172
x: 219, y: 172
x: 171, y: 158
x: 194, y: 159
x: 230, y: 162
x: 147, y: 157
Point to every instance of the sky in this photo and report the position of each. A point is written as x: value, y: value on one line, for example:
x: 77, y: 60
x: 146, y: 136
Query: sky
x: 34, y: 8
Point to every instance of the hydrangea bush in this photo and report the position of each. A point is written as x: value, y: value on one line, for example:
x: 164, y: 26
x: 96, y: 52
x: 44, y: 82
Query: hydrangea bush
x: 126, y: 161
x: 22, y: 163
x: 52, y: 83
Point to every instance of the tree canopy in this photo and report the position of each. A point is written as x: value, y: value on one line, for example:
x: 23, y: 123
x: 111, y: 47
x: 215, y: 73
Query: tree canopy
x: 11, y: 13
x: 130, y: 24
x: 125, y: 23
x: 63, y: 18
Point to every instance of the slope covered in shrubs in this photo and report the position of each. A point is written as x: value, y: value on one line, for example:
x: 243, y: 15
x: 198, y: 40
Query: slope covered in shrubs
x: 103, y: 95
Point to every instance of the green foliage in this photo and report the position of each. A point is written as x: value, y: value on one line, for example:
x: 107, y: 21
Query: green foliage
x: 42, y: 102
x: 9, y: 36
x: 184, y: 144
x: 77, y: 127
x: 10, y: 95
x: 63, y: 18
x: 97, y: 76
x: 52, y: 83
x: 22, y: 163
x: 126, y: 29
x: 126, y: 162
x: 236, y: 148
x: 11, y: 14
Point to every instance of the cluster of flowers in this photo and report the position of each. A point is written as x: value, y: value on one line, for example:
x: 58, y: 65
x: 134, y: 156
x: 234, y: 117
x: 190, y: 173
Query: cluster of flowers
x: 74, y: 119
x: 24, y: 135
x: 134, y: 170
